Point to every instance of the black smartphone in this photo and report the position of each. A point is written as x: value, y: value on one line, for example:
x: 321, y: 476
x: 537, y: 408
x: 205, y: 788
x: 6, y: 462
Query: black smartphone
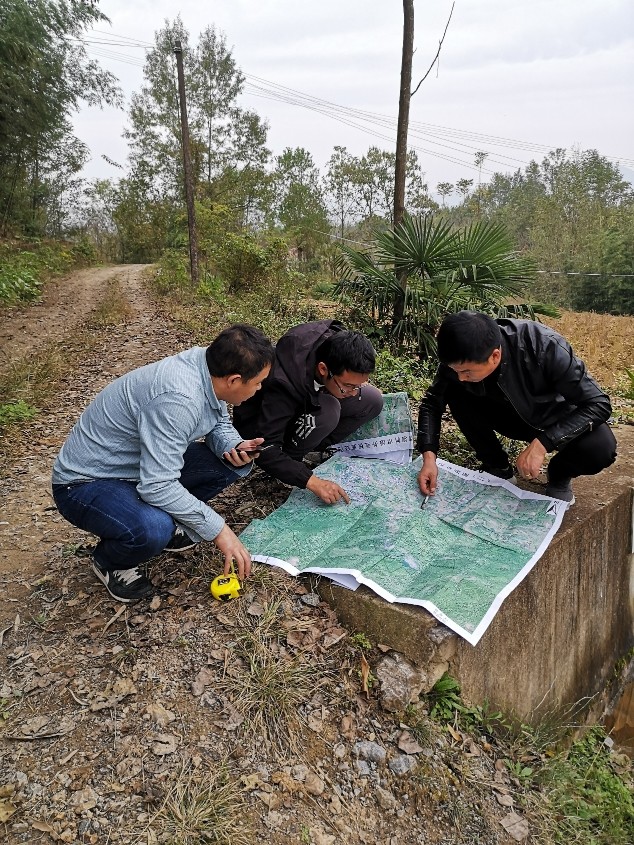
x: 258, y: 449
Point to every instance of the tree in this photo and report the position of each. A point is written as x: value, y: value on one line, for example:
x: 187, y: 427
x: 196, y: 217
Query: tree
x: 298, y: 205
x: 225, y: 139
x: 463, y: 186
x: 341, y: 184
x: 444, y: 189
x: 45, y: 74
x: 423, y: 269
x: 400, y: 158
x: 375, y: 177
x: 564, y: 211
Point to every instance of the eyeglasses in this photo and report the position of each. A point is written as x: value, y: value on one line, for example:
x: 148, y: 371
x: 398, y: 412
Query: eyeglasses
x: 345, y: 389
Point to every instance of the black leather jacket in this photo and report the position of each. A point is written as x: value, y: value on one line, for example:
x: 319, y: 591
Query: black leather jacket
x: 544, y: 381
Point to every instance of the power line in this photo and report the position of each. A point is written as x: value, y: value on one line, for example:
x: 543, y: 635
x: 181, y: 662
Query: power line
x: 359, y: 118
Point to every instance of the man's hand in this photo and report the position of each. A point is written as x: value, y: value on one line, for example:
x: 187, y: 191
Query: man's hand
x: 529, y: 462
x: 428, y: 475
x: 327, y: 491
x: 239, y: 457
x: 232, y: 549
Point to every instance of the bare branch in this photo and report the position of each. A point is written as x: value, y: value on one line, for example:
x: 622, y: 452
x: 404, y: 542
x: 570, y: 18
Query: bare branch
x: 429, y: 69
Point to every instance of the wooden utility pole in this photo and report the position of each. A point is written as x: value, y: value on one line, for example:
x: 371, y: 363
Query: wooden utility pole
x: 403, y: 111
x: 402, y: 126
x: 187, y: 167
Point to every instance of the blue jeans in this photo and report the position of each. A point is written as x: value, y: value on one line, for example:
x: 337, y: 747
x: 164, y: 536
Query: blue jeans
x: 131, y: 531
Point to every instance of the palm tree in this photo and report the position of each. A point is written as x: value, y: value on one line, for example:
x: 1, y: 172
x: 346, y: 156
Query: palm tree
x: 423, y: 269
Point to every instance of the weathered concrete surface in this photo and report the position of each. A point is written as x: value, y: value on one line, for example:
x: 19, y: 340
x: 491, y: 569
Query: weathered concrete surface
x: 556, y: 638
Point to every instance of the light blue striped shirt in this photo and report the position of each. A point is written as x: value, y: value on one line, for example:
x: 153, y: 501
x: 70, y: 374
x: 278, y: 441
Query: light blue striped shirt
x: 138, y: 429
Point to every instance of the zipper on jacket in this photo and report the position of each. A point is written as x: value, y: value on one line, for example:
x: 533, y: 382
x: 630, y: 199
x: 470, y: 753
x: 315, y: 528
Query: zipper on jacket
x: 517, y: 412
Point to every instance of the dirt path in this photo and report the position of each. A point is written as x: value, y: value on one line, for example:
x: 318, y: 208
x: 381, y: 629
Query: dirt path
x: 29, y: 526
x: 64, y: 304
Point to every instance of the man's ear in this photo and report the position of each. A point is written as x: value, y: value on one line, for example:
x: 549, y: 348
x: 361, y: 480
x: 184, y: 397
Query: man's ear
x: 321, y: 369
x: 233, y: 379
x: 496, y: 356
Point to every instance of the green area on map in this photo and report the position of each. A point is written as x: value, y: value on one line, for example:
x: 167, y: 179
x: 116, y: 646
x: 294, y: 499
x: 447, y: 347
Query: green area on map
x: 458, y: 552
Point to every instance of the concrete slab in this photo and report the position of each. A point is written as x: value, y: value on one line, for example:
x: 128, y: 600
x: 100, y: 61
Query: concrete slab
x: 557, y: 637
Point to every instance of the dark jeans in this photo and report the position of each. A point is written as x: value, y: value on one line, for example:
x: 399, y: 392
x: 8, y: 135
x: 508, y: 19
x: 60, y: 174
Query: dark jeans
x: 479, y: 420
x: 131, y: 531
x: 336, y: 419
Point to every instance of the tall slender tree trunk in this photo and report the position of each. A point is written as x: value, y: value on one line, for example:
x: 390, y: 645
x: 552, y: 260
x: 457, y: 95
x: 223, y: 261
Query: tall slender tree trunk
x: 401, y: 137
x: 187, y: 167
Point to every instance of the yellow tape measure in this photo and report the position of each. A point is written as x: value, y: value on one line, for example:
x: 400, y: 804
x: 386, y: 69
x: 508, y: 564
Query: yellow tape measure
x: 226, y: 587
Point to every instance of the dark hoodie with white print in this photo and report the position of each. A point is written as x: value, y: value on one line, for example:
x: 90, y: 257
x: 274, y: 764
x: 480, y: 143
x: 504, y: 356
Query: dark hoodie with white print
x: 288, y: 393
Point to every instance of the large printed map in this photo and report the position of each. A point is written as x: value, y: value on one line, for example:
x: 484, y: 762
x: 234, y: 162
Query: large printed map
x: 458, y: 556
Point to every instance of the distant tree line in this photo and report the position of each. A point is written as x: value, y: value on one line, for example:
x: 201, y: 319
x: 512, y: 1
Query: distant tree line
x: 570, y: 213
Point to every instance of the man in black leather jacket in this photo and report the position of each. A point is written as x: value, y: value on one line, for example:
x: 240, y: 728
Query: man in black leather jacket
x: 520, y: 379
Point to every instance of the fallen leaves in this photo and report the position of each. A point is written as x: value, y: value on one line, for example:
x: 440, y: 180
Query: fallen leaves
x: 365, y: 674
x: 515, y: 826
x: 164, y: 744
x: 408, y: 744
x: 7, y: 808
x: 159, y: 714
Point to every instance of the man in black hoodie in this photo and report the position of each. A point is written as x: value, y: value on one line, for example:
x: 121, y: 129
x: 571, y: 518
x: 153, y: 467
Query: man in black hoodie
x: 316, y: 394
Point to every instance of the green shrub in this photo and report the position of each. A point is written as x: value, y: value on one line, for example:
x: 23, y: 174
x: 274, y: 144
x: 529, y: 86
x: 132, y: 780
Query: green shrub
x: 395, y: 373
x: 592, y: 804
x: 16, y: 412
x: 25, y: 266
x: 173, y: 271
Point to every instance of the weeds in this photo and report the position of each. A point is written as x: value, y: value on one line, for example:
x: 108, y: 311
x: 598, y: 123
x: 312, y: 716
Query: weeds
x: 266, y: 684
x: 24, y: 270
x: 575, y: 793
x: 16, y: 412
x: 201, y: 808
x: 361, y: 641
x: 396, y: 374
x: 587, y: 802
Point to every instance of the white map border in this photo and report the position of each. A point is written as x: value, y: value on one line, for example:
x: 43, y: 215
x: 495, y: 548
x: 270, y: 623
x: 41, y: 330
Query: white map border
x: 559, y: 508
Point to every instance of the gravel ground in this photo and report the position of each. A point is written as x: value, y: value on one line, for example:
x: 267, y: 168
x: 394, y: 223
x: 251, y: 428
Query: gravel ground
x: 184, y: 720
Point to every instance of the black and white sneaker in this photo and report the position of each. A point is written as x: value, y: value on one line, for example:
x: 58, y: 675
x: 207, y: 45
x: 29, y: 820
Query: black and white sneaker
x: 124, y: 585
x: 180, y: 542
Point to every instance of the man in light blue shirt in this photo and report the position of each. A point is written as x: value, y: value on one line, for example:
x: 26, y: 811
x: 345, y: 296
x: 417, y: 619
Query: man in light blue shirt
x: 152, y: 448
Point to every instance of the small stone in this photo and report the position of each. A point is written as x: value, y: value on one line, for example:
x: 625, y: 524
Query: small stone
x: 369, y: 751
x: 402, y: 764
x: 384, y: 798
x: 339, y: 751
x: 313, y: 784
x: 363, y: 768
x: 311, y: 599
x: 299, y: 772
x: 401, y: 681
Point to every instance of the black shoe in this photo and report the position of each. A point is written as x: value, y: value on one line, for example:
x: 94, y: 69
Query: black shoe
x: 505, y: 473
x: 124, y: 585
x: 561, y: 490
x: 180, y: 542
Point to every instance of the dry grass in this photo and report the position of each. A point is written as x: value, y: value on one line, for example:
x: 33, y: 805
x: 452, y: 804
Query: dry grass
x: 200, y: 808
x: 604, y: 342
x: 266, y: 683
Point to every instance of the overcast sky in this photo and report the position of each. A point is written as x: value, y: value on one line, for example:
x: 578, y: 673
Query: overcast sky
x: 541, y: 73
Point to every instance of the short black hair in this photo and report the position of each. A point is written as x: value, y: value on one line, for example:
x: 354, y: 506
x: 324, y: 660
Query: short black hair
x: 241, y: 349
x: 346, y: 350
x: 467, y: 336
